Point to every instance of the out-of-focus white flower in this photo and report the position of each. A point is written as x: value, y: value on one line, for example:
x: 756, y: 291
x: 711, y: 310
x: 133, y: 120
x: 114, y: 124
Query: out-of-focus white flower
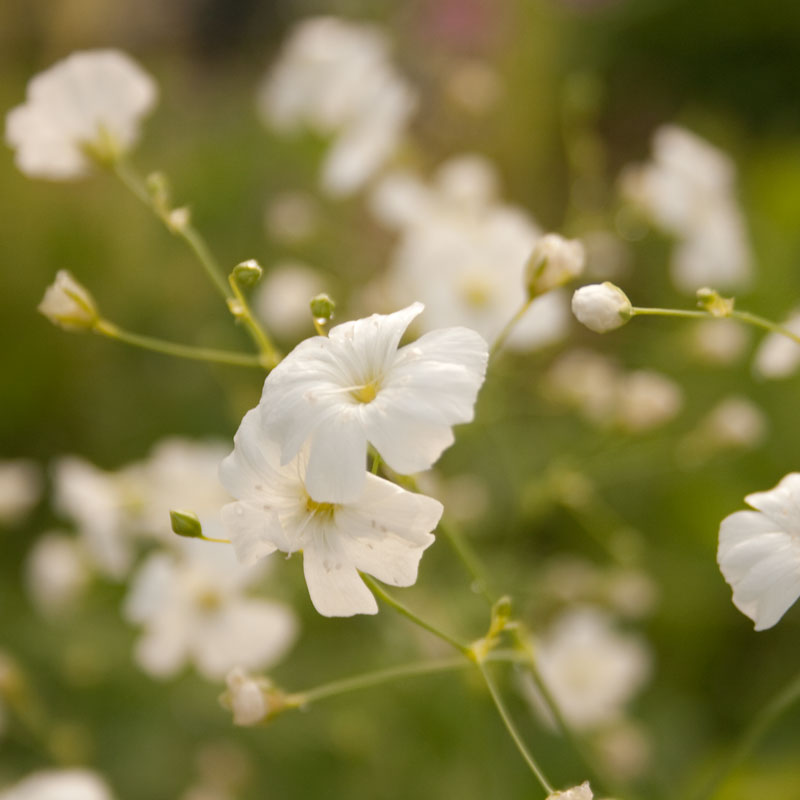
x: 778, y: 356
x: 193, y: 609
x: 646, y: 400
x: 56, y: 573
x: 582, y: 792
x: 608, y: 257
x: 585, y: 381
x: 554, y: 262
x: 591, y: 670
x: 335, y: 76
x: 68, y: 304
x: 283, y: 296
x: 464, y: 254
x: 291, y: 217
x: 20, y: 489
x: 91, y: 102
x: 601, y: 307
x: 96, y: 501
x: 356, y: 386
x: 626, y: 748
x: 759, y: 553
x: 383, y: 532
x: 688, y: 191
x: 59, y: 784
x: 735, y: 422
x: 720, y: 341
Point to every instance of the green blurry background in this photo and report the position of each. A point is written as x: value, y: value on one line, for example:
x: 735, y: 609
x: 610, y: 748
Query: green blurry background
x: 729, y: 71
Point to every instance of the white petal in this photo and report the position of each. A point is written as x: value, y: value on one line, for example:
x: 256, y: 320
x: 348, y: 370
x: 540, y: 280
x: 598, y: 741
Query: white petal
x: 781, y: 504
x: 386, y: 533
x: 334, y: 584
x: 254, y: 530
x: 762, y: 565
x: 253, y: 634
x: 150, y: 588
x: 162, y: 649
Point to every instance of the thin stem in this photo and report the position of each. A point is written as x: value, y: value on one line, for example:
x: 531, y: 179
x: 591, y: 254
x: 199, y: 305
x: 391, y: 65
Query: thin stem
x: 125, y: 172
x: 669, y: 312
x: 509, y: 326
x: 108, y: 329
x: 760, y: 322
x: 512, y: 729
x: 240, y: 309
x: 750, y: 737
x: 408, y: 614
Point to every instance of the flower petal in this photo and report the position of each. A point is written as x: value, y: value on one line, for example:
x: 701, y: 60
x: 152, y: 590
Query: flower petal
x: 254, y: 530
x: 781, y: 504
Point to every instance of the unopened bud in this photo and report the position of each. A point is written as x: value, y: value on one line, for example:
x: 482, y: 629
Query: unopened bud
x: 247, y: 274
x: 251, y: 699
x: 714, y: 303
x: 186, y: 523
x: 322, y: 308
x: 68, y: 304
x: 601, y: 307
x: 553, y: 262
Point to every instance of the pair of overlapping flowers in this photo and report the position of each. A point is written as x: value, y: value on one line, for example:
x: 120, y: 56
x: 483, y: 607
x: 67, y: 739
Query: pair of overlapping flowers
x: 298, y: 468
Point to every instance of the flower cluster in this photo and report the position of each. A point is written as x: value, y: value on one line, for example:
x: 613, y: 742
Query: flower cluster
x: 298, y: 468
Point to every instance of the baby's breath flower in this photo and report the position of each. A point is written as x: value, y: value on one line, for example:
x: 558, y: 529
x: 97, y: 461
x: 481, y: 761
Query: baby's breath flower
x: 759, y: 553
x: 251, y: 699
x: 601, y: 307
x: 68, y: 304
x: 355, y: 386
x: 553, y: 262
x: 383, y: 532
x: 86, y: 107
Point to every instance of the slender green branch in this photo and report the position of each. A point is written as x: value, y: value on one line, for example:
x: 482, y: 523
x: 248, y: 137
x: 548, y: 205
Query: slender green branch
x: 512, y: 729
x: 753, y: 733
x: 408, y: 614
x: 509, y: 326
x: 240, y: 309
x: 669, y: 312
x: 111, y: 331
x: 760, y: 322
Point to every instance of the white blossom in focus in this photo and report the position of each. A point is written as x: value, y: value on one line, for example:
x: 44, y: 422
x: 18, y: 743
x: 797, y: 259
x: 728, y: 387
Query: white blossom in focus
x: 778, y: 356
x: 193, y: 608
x: 283, y: 298
x: 59, y: 784
x: 20, y: 489
x: 68, y: 304
x: 464, y: 253
x: 335, y: 77
x: 591, y: 669
x: 688, y: 190
x: 90, y: 101
x: 56, y: 573
x: 601, y: 307
x: 759, y: 553
x: 582, y: 792
x: 383, y: 532
x: 355, y: 386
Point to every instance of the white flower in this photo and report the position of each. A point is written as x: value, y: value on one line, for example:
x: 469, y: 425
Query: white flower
x: 192, y: 607
x: 59, y: 784
x: 20, y: 489
x: 554, y: 262
x: 759, y: 553
x: 382, y: 533
x: 735, y: 422
x: 356, y: 386
x: 778, y: 356
x: 721, y: 341
x: 90, y: 101
x: 582, y: 792
x: 585, y: 381
x: 250, y: 699
x: 335, y: 76
x: 283, y: 298
x: 590, y: 669
x: 464, y: 254
x: 56, y: 573
x: 645, y: 400
x: 688, y: 191
x: 68, y: 304
x: 601, y: 307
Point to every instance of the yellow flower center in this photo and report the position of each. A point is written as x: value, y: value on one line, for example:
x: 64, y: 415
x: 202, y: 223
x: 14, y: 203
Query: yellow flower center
x: 476, y: 291
x: 366, y: 393
x: 320, y: 509
x: 208, y: 600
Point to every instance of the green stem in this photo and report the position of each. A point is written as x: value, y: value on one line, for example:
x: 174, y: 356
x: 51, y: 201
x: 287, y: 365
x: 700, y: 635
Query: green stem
x: 669, y: 312
x: 512, y: 729
x: 108, y: 329
x: 408, y: 614
x: 760, y: 322
x: 241, y: 311
x: 750, y: 737
x: 509, y: 326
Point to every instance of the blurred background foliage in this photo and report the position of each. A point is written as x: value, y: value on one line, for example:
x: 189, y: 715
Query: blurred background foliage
x: 616, y: 69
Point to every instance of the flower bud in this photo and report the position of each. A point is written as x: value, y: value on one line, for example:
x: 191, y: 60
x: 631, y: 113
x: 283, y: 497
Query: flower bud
x: 553, y: 262
x: 582, y: 792
x: 68, y: 304
x: 713, y: 302
x: 247, y: 274
x: 322, y: 308
x: 252, y: 700
x: 186, y: 523
x: 601, y: 307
